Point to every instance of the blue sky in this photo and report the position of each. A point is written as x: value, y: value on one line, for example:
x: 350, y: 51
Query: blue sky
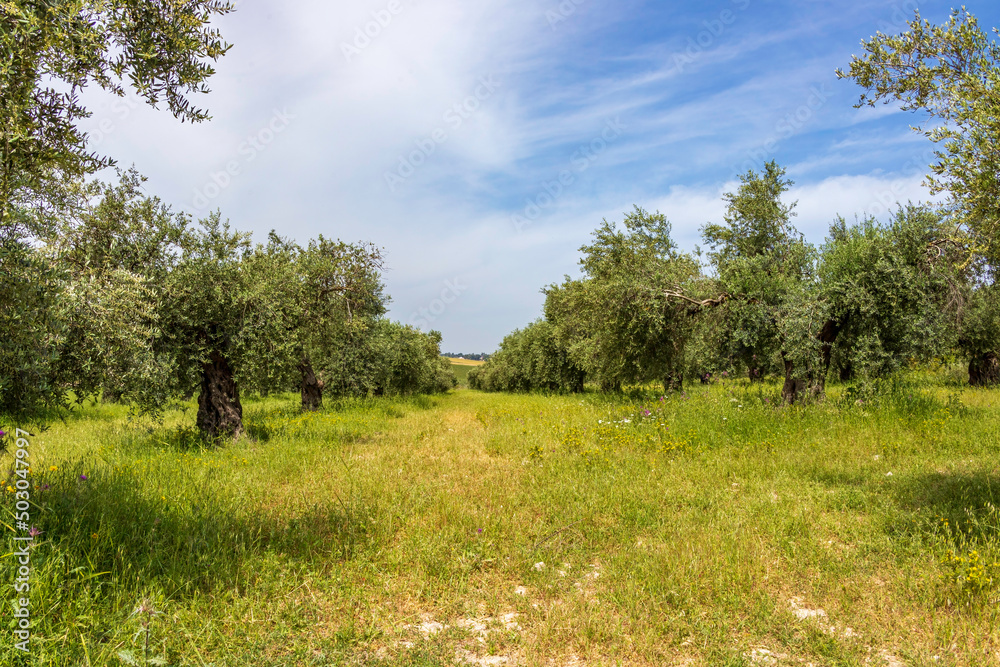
x: 480, y: 143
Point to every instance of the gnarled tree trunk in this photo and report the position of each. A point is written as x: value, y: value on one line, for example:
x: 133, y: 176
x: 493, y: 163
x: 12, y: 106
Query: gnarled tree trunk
x: 220, y: 413
x: 312, y: 388
x: 984, y: 370
x: 814, y: 379
x: 609, y: 387
x: 674, y: 381
x: 847, y: 372
x: 794, y: 386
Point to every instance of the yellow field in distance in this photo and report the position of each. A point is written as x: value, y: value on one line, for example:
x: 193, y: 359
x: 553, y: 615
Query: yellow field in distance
x: 465, y: 362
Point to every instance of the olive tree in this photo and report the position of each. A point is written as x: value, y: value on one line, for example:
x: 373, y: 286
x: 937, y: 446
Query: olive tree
x: 765, y: 273
x: 894, y: 291
x: 951, y: 72
x: 978, y: 338
x: 529, y: 359
x: 226, y: 315
x: 49, y: 51
x: 342, y: 294
x: 32, y: 328
x: 115, y: 253
x: 619, y: 321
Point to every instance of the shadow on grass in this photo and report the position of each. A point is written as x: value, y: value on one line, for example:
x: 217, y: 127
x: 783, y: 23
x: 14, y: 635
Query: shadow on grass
x: 197, y: 542
x: 950, y: 496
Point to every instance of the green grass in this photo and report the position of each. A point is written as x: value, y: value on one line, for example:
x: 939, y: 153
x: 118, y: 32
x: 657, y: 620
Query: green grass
x: 714, y: 527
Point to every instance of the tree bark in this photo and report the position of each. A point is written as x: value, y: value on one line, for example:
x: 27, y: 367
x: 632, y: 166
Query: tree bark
x: 673, y: 382
x: 847, y: 372
x: 608, y: 387
x: 827, y: 336
x: 312, y: 388
x: 220, y: 413
x: 793, y: 386
x: 984, y: 370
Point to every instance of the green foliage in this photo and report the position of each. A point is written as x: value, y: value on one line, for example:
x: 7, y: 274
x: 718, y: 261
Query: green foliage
x: 51, y: 50
x: 951, y: 72
x: 33, y: 322
x: 224, y: 296
x: 765, y: 268
x: 619, y: 322
x: 116, y: 252
x: 980, y: 332
x: 529, y: 359
x: 410, y: 361
x: 381, y: 357
x: 892, y: 294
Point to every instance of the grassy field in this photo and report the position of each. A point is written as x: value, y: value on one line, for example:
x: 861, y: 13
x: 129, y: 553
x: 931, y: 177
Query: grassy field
x: 710, y: 528
x: 462, y: 368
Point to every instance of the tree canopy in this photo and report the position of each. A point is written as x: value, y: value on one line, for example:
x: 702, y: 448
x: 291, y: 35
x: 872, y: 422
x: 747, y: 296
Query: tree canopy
x: 952, y: 73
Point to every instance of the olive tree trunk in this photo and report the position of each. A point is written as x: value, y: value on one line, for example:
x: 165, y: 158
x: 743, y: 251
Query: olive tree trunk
x: 794, y: 386
x: 813, y: 380
x: 984, y: 370
x: 673, y: 381
x: 220, y: 413
x: 312, y: 387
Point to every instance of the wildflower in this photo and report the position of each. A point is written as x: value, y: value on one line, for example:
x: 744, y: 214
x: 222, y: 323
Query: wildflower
x: 83, y: 478
x: 480, y: 531
x: 53, y: 468
x: 45, y: 487
x: 34, y: 532
x: 94, y: 536
x: 2, y: 433
x: 10, y: 489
